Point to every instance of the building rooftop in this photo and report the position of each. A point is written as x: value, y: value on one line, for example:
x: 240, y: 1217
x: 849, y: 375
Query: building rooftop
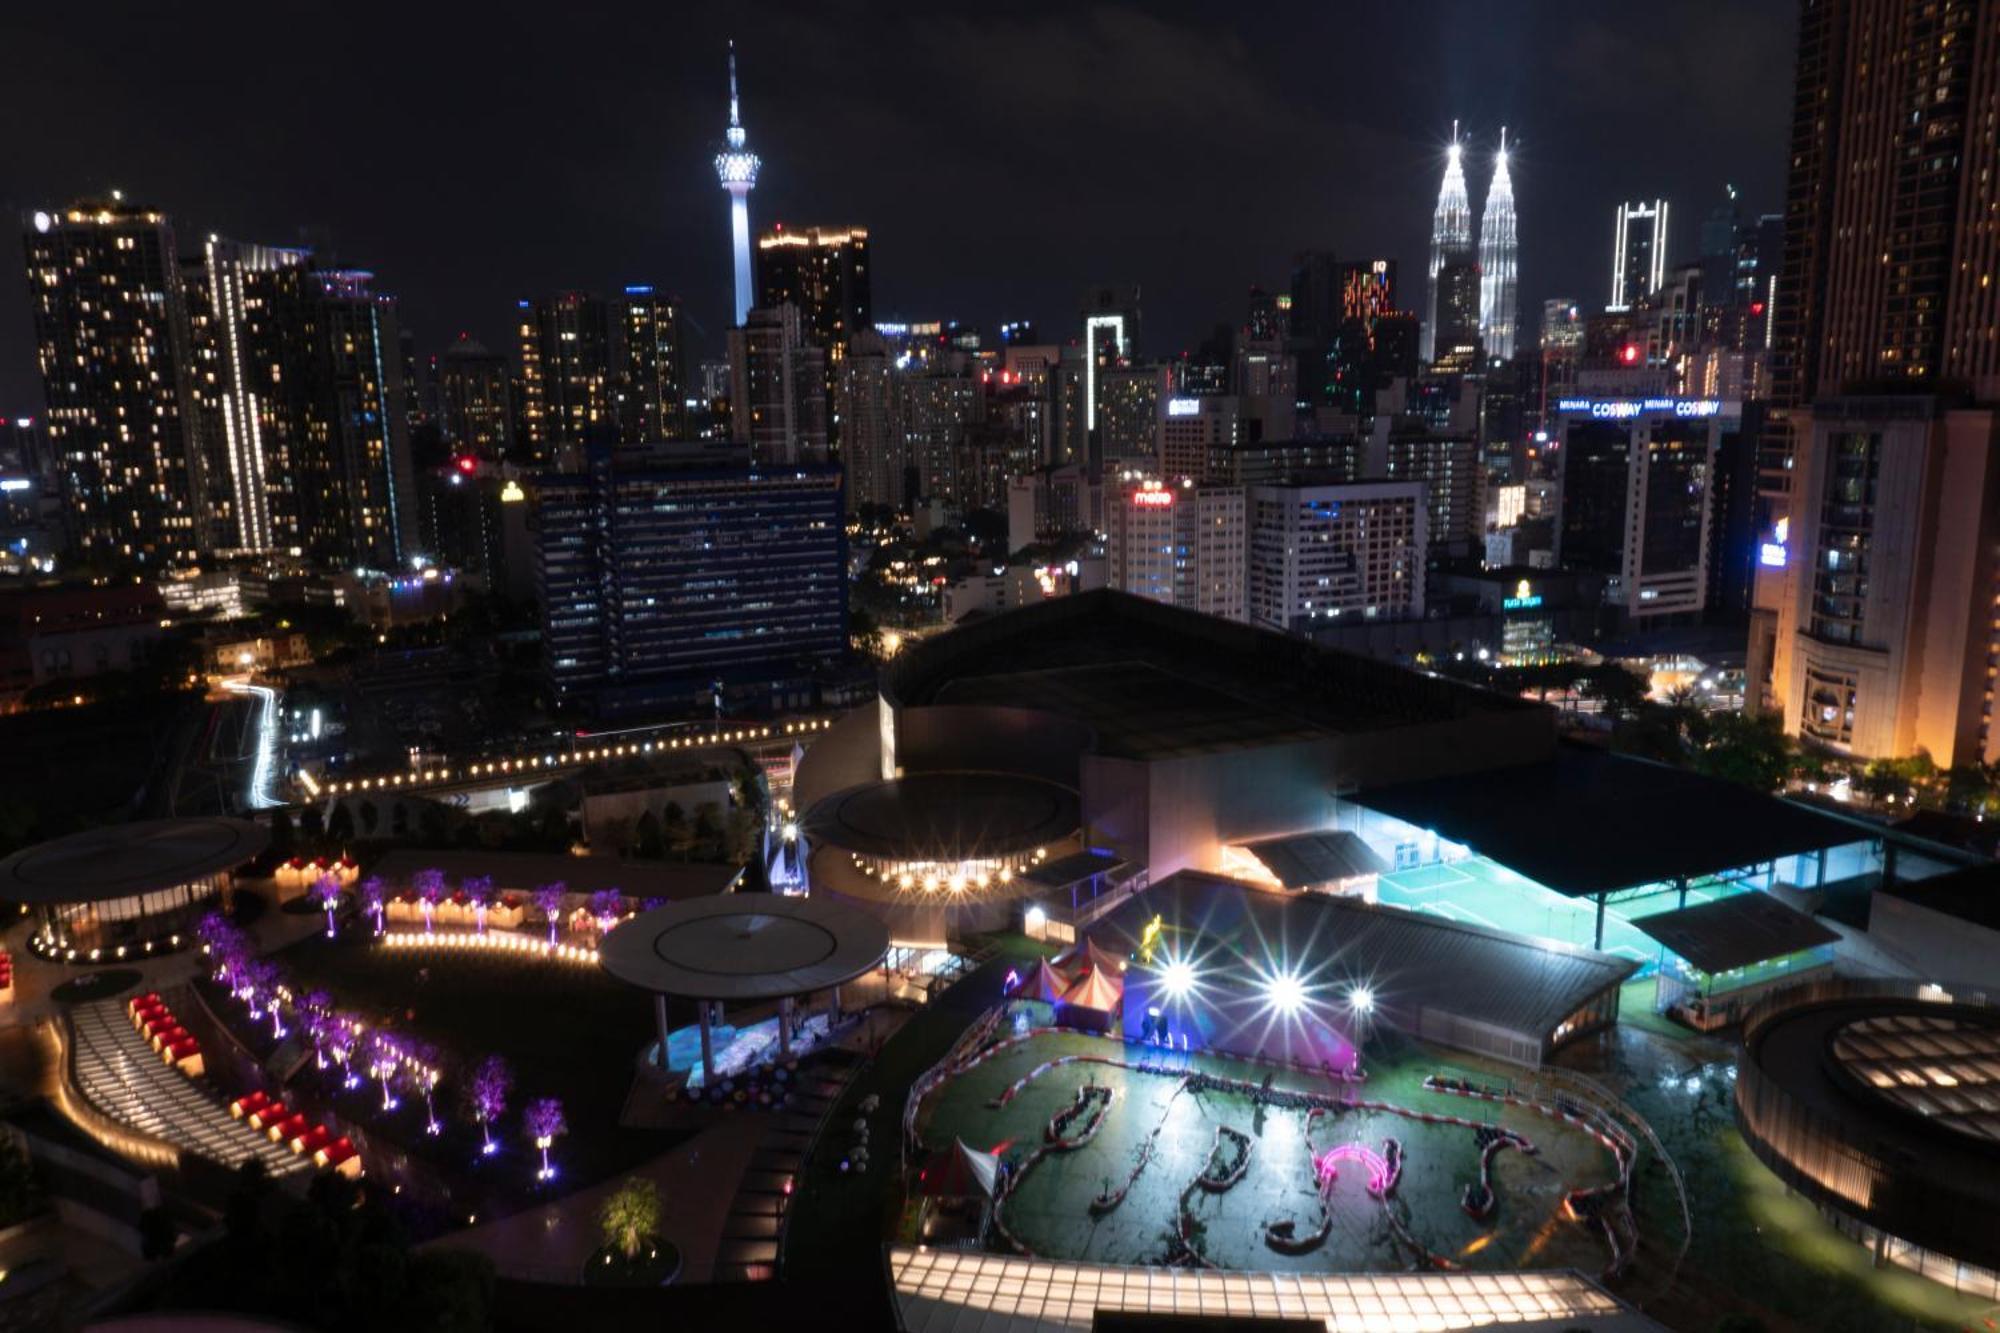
x: 1411, y: 960
x: 1585, y: 822
x: 1157, y: 681
x: 1300, y: 860
x: 122, y: 859
x: 1737, y: 931
x: 945, y: 816
x: 745, y: 946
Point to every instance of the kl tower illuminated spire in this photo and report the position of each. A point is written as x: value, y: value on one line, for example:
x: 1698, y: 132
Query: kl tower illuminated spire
x: 1451, y: 236
x: 1499, y: 252
x: 736, y: 167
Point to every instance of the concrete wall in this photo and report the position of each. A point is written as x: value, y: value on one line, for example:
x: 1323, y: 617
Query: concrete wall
x: 1932, y: 946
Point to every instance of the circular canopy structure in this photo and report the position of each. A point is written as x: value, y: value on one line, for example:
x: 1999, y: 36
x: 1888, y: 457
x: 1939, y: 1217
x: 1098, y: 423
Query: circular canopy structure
x: 946, y: 816
x: 744, y: 946
x: 121, y: 860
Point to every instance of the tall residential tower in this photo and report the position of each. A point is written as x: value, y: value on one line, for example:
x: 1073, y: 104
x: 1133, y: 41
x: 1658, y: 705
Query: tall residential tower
x: 1499, y: 251
x: 736, y: 167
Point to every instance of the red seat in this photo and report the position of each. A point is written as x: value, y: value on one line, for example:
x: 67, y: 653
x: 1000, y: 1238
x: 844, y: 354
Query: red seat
x: 181, y: 1050
x: 244, y: 1105
x: 312, y: 1140
x: 333, y: 1154
x: 289, y: 1128
x: 268, y: 1113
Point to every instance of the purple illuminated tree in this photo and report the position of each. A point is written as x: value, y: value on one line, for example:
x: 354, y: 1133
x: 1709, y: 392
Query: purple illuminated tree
x: 341, y: 1039
x: 260, y: 982
x: 605, y: 906
x: 375, y: 900
x: 315, y: 1015
x: 487, y: 1096
x: 549, y: 902
x: 429, y: 885
x: 479, y: 890
x: 544, y: 1120
x: 385, y: 1062
x: 327, y: 891
x: 424, y: 1072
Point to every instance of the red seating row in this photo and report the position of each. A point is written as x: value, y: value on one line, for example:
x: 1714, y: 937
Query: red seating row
x: 176, y: 1045
x: 6, y: 977
x: 291, y: 1128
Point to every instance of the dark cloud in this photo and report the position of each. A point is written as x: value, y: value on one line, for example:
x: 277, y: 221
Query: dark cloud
x: 1004, y: 157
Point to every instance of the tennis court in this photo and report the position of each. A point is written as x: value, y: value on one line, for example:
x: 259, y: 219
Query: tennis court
x: 1480, y: 892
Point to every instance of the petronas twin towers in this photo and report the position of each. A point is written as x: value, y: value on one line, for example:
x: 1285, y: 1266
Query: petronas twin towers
x: 1473, y: 291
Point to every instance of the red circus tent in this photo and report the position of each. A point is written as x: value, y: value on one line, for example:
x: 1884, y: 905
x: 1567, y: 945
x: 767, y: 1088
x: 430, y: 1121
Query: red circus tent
x: 1089, y: 956
x: 1043, y: 983
x: 1100, y: 990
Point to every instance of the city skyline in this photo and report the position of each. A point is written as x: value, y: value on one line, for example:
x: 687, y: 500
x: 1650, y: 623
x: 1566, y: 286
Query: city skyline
x: 465, y: 238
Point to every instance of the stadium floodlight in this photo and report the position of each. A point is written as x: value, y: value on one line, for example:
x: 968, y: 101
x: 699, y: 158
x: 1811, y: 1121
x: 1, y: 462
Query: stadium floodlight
x: 1285, y: 993
x: 1177, y: 978
x: 1361, y: 1000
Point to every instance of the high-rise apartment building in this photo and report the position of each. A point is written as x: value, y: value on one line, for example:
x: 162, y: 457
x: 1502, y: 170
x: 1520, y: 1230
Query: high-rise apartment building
x: 1638, y: 252
x: 664, y: 576
x: 777, y: 388
x: 111, y: 333
x: 1453, y: 474
x: 1324, y: 553
x: 872, y: 447
x: 652, y: 390
x: 1178, y: 543
x: 1129, y: 399
x: 935, y: 406
x: 824, y: 271
x: 1194, y: 433
x: 475, y: 399
x: 566, y: 375
x: 1877, y: 576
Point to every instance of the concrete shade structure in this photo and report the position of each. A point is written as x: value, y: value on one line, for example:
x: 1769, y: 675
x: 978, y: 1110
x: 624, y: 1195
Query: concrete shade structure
x: 127, y: 889
x: 744, y: 948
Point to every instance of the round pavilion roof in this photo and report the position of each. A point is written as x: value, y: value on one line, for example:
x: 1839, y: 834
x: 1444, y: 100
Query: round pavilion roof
x: 123, y: 859
x: 946, y: 816
x: 744, y: 946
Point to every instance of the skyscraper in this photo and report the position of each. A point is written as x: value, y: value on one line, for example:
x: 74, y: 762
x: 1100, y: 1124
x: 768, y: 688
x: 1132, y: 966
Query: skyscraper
x: 777, y: 388
x: 475, y: 400
x: 736, y: 167
x: 652, y: 394
x: 1452, y: 260
x: 1881, y: 472
x: 1638, y: 252
x: 661, y: 575
x: 824, y: 272
x: 566, y: 375
x: 111, y: 335
x: 1499, y: 252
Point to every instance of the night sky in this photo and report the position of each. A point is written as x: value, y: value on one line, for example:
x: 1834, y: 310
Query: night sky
x: 1003, y: 159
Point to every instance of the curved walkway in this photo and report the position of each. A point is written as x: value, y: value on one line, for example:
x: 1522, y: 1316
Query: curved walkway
x: 118, y: 1072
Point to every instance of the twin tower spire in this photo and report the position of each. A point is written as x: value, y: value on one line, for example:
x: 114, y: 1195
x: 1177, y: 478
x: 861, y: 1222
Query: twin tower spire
x: 1454, y: 260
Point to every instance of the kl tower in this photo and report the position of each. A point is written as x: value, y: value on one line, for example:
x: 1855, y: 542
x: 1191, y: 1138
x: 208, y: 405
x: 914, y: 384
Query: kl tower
x: 736, y: 167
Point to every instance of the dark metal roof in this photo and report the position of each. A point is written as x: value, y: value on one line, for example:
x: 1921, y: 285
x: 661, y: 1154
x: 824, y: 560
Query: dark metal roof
x: 1586, y: 822
x: 744, y: 946
x: 1736, y: 931
x: 1411, y: 960
x: 1300, y: 860
x: 1067, y: 870
x: 945, y: 816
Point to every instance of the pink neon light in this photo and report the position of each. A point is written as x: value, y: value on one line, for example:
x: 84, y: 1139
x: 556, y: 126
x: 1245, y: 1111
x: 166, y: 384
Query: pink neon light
x: 1327, y: 1166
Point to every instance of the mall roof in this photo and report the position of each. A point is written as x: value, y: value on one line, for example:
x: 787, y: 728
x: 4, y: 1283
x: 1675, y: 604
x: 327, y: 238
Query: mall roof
x: 1736, y: 931
x: 1154, y: 680
x: 1300, y: 860
x: 1412, y: 960
x: 123, y: 859
x: 1587, y: 822
x: 1064, y: 871
x: 744, y: 946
